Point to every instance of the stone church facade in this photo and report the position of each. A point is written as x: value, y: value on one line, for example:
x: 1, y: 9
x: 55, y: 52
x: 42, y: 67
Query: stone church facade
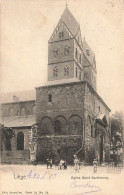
x: 70, y: 117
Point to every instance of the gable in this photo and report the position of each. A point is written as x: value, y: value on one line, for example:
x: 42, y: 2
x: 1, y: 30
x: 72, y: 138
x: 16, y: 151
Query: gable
x: 61, y: 32
x: 70, y: 21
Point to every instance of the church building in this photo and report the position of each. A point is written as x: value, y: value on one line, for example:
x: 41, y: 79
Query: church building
x: 66, y: 117
x: 72, y: 117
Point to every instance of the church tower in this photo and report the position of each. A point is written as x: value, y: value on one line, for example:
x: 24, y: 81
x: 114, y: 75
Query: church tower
x: 70, y: 59
x: 65, y: 50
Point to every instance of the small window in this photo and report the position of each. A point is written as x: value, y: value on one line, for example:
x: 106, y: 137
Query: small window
x: 99, y: 108
x: 76, y: 72
x: 66, y: 71
x: 66, y: 50
x: 61, y: 34
x: 88, y: 52
x: 50, y: 98
x: 92, y: 131
x: 85, y: 75
x: 55, y: 72
x: 55, y: 52
x: 76, y: 53
x: 11, y: 111
x: 80, y: 59
x: 80, y: 76
x: 23, y: 111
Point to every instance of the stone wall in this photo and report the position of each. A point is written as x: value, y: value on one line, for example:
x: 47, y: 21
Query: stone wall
x: 93, y: 108
x: 59, y: 147
x: 17, y: 108
x: 76, y: 107
x: 60, y: 57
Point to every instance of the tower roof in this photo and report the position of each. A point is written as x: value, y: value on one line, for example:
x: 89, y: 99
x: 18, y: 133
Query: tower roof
x: 88, y: 52
x: 70, y: 21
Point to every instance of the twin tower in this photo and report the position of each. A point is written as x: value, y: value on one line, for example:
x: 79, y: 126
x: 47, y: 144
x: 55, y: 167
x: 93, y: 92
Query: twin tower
x: 70, y: 58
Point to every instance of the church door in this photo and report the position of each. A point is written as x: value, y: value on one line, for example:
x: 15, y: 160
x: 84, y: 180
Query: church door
x: 20, y: 141
x: 101, y: 149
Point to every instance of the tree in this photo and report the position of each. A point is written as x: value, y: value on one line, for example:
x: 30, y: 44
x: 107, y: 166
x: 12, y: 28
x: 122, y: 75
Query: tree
x: 6, y: 136
x: 116, y: 131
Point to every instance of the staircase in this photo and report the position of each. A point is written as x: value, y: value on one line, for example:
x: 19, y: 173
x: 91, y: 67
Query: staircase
x: 15, y: 157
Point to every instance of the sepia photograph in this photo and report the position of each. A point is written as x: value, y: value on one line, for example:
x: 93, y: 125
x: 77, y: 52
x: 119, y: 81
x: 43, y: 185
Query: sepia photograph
x: 62, y: 97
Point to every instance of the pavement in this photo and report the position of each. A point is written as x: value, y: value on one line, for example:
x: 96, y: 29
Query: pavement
x: 31, y: 179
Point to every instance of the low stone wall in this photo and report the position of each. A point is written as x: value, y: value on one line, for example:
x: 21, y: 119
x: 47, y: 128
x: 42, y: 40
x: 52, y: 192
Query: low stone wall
x: 15, y: 157
x: 58, y: 147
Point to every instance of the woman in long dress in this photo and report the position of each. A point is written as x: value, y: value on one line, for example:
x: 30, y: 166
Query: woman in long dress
x: 76, y: 164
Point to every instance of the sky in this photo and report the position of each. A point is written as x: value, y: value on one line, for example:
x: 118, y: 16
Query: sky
x: 26, y: 26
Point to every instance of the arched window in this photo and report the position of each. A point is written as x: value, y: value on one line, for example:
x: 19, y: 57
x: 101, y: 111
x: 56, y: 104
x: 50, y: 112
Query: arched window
x: 50, y: 98
x: 80, y: 76
x: 76, y: 53
x: 55, y: 72
x: 80, y: 59
x: 20, y: 141
x: 92, y: 133
x: 61, y: 34
x: 85, y: 75
x: 66, y: 70
x: 57, y: 127
x: 11, y: 112
x: 55, y: 52
x: 75, y: 125
x: 45, y: 126
x: 88, y: 52
x: 66, y: 50
x: 23, y: 111
x: 76, y: 72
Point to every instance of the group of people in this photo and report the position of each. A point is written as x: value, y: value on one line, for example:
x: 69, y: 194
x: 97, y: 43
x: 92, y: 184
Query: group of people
x: 49, y: 163
x: 63, y: 165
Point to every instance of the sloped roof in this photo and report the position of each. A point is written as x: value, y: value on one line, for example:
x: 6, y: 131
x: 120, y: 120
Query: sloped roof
x: 62, y: 81
x: 22, y: 95
x: 20, y: 121
x: 86, y: 48
x: 70, y: 21
x: 100, y: 116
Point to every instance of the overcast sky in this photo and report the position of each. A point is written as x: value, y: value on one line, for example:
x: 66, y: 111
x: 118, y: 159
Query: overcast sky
x: 27, y: 26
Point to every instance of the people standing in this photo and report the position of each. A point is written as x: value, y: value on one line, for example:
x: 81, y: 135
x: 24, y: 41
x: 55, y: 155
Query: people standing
x: 48, y: 163
x: 95, y: 165
x: 76, y: 164
x: 51, y: 163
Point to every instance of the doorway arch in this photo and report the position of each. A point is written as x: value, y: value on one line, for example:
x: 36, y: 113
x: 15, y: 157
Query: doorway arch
x: 20, y: 141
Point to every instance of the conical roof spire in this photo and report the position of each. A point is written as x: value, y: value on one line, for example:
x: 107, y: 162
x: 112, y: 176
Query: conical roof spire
x: 69, y: 21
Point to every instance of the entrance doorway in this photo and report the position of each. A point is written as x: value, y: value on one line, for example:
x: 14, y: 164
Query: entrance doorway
x: 101, y: 148
x: 20, y: 141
